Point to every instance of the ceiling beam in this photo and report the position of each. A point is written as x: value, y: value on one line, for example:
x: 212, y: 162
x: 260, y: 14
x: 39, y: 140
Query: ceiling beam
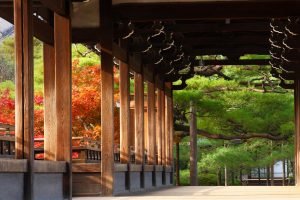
x: 220, y: 27
x: 234, y: 62
x: 228, y: 40
x: 86, y: 35
x: 57, y: 6
x: 41, y: 29
x: 9, y: 3
x: 230, y: 50
x: 238, y: 9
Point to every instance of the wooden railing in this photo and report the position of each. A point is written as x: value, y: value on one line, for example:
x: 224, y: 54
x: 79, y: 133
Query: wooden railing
x: 84, y: 150
x: 7, y: 146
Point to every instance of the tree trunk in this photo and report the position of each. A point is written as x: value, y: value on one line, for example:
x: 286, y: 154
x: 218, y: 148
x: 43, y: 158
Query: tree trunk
x: 283, y: 173
x: 225, y: 176
x: 288, y: 172
x: 193, y: 146
x: 259, y: 176
x: 219, y: 181
x: 268, y: 176
x: 272, y: 174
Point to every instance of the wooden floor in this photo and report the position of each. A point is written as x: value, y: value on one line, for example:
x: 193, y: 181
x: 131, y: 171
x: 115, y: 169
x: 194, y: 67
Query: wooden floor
x: 218, y: 193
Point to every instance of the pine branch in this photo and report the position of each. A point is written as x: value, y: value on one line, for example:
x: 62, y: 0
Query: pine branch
x: 185, y: 130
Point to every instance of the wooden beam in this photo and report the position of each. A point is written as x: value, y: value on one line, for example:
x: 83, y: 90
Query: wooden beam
x: 24, y: 89
x: 41, y: 30
x: 9, y: 3
x: 163, y: 128
x: 159, y: 126
x: 193, y: 146
x: 159, y: 83
x: 63, y: 95
x: 57, y: 6
x: 86, y: 35
x: 169, y: 123
x: 234, y: 62
x: 221, y: 27
x: 167, y: 129
x: 50, y: 133
x: 7, y: 14
x: 107, y: 98
x: 135, y: 63
x: 139, y: 117
x: 124, y: 113
x: 151, y: 124
x: 297, y: 131
x: 232, y: 39
x: 7, y: 127
x: 238, y: 9
x: 171, y: 131
x: 233, y: 50
x: 107, y: 123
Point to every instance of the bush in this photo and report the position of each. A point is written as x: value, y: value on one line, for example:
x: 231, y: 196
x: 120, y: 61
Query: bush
x: 204, y: 179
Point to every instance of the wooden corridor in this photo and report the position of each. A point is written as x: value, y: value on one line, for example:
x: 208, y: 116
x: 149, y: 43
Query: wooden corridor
x: 215, y: 193
x: 156, y: 50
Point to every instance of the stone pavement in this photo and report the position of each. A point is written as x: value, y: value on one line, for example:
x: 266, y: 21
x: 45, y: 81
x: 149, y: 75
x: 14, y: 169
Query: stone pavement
x: 213, y: 193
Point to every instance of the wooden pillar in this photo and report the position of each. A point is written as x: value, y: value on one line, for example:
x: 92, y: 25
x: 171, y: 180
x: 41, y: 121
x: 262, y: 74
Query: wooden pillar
x: 50, y: 131
x: 107, y: 123
x: 139, y: 117
x: 297, y: 131
x: 63, y: 96
x: 151, y: 124
x: 159, y: 126
x: 24, y: 132
x: 124, y: 113
x: 107, y: 99
x: 193, y: 145
x: 167, y: 129
x: 146, y: 136
x: 171, y: 131
x: 163, y: 133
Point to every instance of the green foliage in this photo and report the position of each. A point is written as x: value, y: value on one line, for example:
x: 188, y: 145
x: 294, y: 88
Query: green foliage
x: 38, y: 66
x: 90, y: 59
x: 7, y: 60
x: 238, y: 106
x: 7, y: 85
x: 204, y: 178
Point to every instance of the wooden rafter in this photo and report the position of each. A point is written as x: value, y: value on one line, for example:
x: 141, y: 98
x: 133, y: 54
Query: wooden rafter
x: 235, y: 62
x: 208, y: 10
x: 220, y: 27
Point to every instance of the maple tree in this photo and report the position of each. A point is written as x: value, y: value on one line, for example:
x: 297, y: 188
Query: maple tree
x: 7, y: 104
x: 86, y: 104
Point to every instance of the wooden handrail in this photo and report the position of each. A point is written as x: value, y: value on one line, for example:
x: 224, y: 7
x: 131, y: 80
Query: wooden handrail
x: 88, y: 150
x: 6, y: 127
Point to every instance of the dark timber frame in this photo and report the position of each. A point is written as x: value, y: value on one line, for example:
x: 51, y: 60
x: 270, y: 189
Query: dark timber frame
x: 159, y: 49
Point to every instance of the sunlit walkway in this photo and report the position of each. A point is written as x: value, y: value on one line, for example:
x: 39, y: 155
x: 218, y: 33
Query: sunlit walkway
x: 218, y: 193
